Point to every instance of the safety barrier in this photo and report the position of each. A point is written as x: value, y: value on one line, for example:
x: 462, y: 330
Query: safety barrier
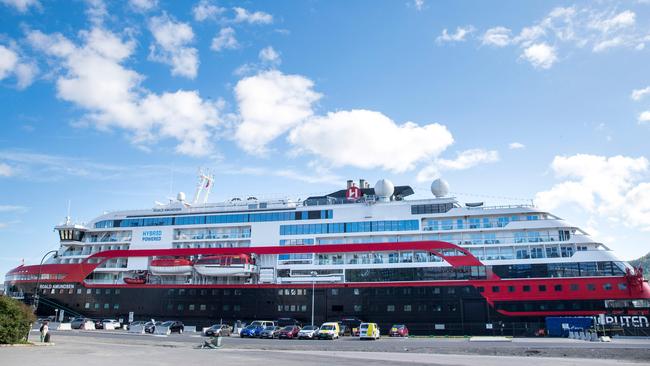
x: 139, y: 329
x: 64, y: 326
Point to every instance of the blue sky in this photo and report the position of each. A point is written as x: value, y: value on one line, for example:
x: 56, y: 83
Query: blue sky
x: 115, y: 105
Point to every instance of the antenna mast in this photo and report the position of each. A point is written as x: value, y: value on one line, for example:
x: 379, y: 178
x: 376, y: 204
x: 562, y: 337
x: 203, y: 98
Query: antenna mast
x: 204, y: 185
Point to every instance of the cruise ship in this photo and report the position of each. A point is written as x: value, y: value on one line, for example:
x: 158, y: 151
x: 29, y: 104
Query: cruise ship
x: 437, y: 265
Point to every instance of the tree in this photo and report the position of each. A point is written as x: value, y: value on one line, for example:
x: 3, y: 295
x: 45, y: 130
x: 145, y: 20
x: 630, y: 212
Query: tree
x: 15, y: 320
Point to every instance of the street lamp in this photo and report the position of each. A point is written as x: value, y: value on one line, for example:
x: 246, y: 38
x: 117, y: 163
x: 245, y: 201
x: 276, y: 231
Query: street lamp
x: 38, y: 279
x: 313, y: 285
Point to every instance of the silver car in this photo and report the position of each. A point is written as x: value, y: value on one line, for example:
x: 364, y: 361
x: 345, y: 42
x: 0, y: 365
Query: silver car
x: 308, y: 332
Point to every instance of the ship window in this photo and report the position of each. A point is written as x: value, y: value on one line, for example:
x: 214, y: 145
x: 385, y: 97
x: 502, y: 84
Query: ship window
x: 436, y: 307
x: 451, y: 290
x: 88, y: 291
x: 279, y: 307
x: 280, y: 292
x: 436, y: 290
x: 591, y: 287
x: 607, y: 286
x: 511, y: 288
x: 191, y: 307
x: 108, y: 291
x: 236, y: 308
x: 558, y: 288
x: 226, y: 307
x: 542, y: 288
x: 335, y: 291
x: 87, y: 306
x: 116, y: 306
x: 574, y: 287
x: 390, y: 308
x: 78, y: 291
x: 495, y: 288
x: 622, y: 286
x: 357, y: 308
x: 407, y: 307
x: 97, y: 306
x: 202, y: 307
x: 356, y: 291
x: 180, y: 307
x: 526, y: 288
x: 481, y: 289
x: 451, y: 307
x: 117, y: 291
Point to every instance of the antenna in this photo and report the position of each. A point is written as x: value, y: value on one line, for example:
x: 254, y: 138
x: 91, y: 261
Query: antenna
x: 204, y: 184
x: 67, y: 217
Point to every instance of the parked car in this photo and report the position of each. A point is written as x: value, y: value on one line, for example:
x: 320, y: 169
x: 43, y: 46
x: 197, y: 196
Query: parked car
x: 79, y: 323
x: 369, y: 331
x: 308, y: 332
x: 116, y: 324
x: 352, y: 325
x: 329, y: 331
x: 270, y: 332
x: 399, y: 330
x: 263, y: 323
x: 289, y: 332
x: 283, y: 322
x: 174, y: 326
x: 251, y: 331
x: 134, y: 324
x: 223, y: 330
x: 150, y: 327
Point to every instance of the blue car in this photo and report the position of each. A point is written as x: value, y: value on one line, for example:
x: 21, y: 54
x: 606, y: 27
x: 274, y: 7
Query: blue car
x: 251, y: 331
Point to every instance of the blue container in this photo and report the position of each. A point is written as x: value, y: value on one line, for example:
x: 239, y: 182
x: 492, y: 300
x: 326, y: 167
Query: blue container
x: 560, y: 326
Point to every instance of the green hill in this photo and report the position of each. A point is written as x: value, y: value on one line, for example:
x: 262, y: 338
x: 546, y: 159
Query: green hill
x: 644, y: 262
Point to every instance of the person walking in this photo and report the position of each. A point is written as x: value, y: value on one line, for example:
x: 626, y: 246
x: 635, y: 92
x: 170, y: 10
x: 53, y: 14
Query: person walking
x: 44, y: 332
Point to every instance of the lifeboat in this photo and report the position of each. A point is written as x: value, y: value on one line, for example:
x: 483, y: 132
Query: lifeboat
x: 225, y: 265
x: 135, y: 281
x: 170, y: 267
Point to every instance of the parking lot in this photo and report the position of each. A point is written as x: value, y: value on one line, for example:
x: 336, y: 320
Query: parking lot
x: 101, y: 347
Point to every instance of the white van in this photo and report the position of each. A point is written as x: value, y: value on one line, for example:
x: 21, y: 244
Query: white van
x: 369, y: 331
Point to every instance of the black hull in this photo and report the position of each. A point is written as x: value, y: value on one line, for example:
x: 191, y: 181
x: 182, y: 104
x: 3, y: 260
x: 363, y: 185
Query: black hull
x: 431, y: 310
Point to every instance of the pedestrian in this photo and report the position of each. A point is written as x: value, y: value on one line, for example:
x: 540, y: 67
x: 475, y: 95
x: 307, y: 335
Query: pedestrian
x: 44, y: 332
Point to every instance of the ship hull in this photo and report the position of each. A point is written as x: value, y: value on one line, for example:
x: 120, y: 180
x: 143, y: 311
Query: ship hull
x: 427, y: 309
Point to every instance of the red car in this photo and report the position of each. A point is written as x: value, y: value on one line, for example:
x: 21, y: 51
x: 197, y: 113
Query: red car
x: 399, y: 330
x: 289, y: 332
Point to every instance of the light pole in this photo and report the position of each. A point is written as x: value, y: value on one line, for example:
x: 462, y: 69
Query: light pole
x: 38, y: 278
x: 313, y: 285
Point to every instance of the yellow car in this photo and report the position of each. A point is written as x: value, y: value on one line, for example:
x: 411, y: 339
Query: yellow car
x: 329, y: 331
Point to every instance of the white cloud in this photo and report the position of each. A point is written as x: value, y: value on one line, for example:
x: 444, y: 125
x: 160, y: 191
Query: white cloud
x: 468, y: 159
x: 610, y: 187
x: 22, y: 5
x: 269, y: 55
x: 271, y: 103
x: 258, y: 17
x: 458, y: 36
x: 12, y: 208
x: 608, y: 43
x: 644, y: 117
x: 606, y: 24
x: 205, y: 9
x: 96, y: 11
x: 12, y: 64
x: 224, y: 40
x: 419, y: 4
x: 172, y: 38
x: 143, y: 5
x: 6, y: 170
x: 540, y: 55
x: 368, y: 139
x: 516, y: 146
x: 93, y: 77
x: 637, y: 94
x: 497, y: 36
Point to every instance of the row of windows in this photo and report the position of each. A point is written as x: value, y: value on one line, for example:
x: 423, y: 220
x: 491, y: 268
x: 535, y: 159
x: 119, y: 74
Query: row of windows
x: 555, y: 288
x: 79, y: 291
x: 431, y: 208
x: 98, y: 306
x: 217, y: 219
x: 203, y: 307
x: 577, y: 269
x: 295, y: 258
x: 415, y: 274
x: 550, y: 305
x: 350, y: 227
x: 204, y: 292
x: 474, y: 222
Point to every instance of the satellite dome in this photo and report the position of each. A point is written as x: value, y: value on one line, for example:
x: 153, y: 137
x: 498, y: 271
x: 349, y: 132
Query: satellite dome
x: 181, y: 196
x: 439, y: 188
x: 384, y: 189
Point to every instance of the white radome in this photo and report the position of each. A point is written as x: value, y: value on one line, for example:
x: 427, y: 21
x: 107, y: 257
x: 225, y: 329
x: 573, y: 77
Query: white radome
x: 181, y: 196
x: 439, y: 188
x: 384, y: 188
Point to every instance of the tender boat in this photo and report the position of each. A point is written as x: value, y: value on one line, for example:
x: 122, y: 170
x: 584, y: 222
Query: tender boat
x: 174, y: 266
x: 135, y: 281
x: 225, y: 265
